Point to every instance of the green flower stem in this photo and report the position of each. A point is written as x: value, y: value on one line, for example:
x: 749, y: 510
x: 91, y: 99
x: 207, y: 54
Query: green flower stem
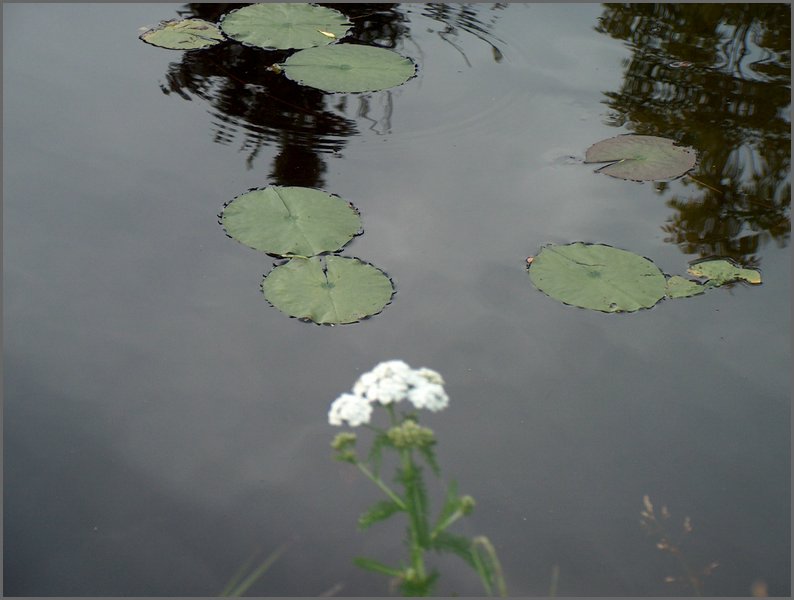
x: 449, y: 521
x: 417, y: 552
x: 385, y: 488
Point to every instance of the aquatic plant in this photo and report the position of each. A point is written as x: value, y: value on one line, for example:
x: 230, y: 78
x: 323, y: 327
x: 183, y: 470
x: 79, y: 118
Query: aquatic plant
x: 312, y: 30
x: 670, y: 544
x: 600, y: 277
x: 388, y: 386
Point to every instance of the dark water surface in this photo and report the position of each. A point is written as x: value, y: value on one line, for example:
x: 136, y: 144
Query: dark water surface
x: 162, y: 422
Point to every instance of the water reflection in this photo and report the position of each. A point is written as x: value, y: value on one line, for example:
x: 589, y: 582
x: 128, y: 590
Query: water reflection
x: 261, y: 109
x: 715, y: 77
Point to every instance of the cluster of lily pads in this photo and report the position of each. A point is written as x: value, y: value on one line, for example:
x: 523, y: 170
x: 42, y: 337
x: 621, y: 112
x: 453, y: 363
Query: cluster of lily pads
x: 607, y: 279
x: 312, y: 30
x: 308, y: 227
x: 296, y: 223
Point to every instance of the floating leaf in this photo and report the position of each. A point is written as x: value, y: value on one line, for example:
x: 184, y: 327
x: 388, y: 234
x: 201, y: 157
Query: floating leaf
x: 678, y: 287
x: 721, y: 271
x: 329, y: 289
x: 185, y: 34
x: 598, y: 277
x: 641, y: 157
x: 285, y: 25
x: 291, y: 221
x: 349, y: 68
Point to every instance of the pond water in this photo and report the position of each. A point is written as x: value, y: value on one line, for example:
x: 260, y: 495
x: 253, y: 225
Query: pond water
x: 163, y: 422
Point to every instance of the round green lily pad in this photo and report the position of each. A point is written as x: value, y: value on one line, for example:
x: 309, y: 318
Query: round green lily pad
x: 285, y: 25
x: 641, y: 157
x: 328, y: 289
x: 184, y: 34
x: 597, y: 277
x: 288, y: 221
x: 349, y: 68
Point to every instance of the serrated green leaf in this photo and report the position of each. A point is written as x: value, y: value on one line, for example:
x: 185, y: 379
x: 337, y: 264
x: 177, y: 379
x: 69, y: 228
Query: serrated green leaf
x: 455, y: 544
x: 348, y: 68
x: 375, y: 456
x: 429, y: 455
x: 641, y: 157
x: 377, y: 567
x: 379, y: 512
x: 416, y: 499
x: 285, y: 25
x: 286, y: 221
x: 451, y: 504
x: 329, y: 290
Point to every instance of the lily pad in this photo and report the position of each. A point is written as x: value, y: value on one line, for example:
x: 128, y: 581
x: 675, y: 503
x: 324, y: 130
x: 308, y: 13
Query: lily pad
x: 641, y: 157
x: 349, y: 68
x: 286, y: 221
x: 184, y: 34
x: 597, y: 277
x: 678, y: 287
x: 720, y: 271
x: 284, y: 25
x: 328, y: 290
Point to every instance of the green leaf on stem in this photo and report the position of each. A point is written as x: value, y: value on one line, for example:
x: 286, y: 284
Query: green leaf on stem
x: 455, y: 544
x: 419, y: 587
x: 451, y: 504
x: 376, y: 452
x: 430, y: 458
x: 487, y: 565
x: 378, y: 512
x: 376, y: 567
x: 416, y: 499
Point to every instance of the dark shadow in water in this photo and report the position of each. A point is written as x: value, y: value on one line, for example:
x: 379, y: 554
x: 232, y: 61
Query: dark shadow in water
x: 715, y: 77
x: 264, y: 109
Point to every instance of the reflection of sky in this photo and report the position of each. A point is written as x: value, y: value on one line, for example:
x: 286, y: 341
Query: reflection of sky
x: 163, y: 420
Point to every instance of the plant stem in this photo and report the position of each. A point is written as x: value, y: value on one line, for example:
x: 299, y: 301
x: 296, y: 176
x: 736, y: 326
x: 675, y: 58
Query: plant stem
x: 386, y: 490
x: 417, y: 559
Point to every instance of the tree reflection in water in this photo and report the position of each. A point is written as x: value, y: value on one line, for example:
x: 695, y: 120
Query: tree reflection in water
x: 264, y: 109
x: 715, y: 77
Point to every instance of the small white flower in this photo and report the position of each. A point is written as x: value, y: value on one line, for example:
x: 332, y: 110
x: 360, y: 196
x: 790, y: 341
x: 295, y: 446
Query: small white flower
x: 430, y: 375
x: 351, y: 408
x: 430, y: 396
x: 386, y: 383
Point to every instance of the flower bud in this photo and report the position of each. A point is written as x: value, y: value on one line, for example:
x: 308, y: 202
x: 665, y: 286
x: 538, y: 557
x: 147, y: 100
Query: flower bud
x: 408, y: 434
x: 467, y: 504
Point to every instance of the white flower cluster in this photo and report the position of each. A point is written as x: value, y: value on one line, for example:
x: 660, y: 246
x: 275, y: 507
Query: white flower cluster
x: 388, y: 383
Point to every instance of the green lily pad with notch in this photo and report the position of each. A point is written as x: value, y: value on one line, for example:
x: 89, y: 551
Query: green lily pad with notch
x: 679, y: 287
x: 284, y: 25
x: 721, y: 271
x: 349, y: 68
x: 184, y: 34
x: 285, y: 221
x: 597, y: 277
x: 328, y: 289
x: 641, y: 157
